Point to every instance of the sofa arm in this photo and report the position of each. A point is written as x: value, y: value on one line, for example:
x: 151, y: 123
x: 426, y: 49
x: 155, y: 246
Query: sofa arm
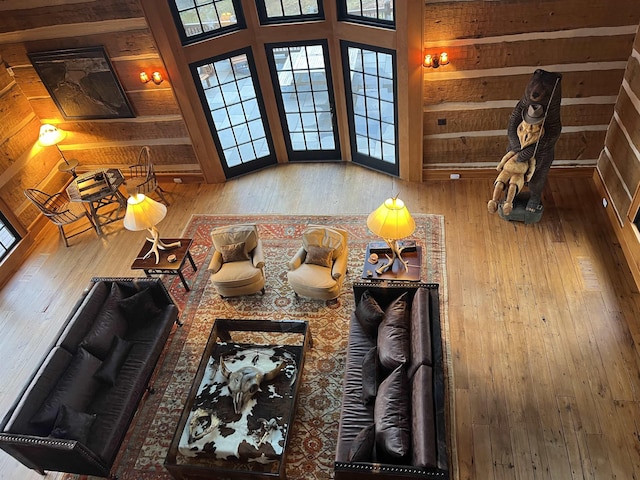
x: 258, y: 255
x: 59, y: 455
x: 216, y: 262
x: 297, y: 259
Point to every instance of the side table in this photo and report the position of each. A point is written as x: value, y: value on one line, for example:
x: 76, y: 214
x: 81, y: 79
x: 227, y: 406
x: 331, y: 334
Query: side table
x: 412, y: 254
x: 164, y: 266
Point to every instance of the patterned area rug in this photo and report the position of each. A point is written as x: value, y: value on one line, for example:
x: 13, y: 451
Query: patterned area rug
x: 313, y: 436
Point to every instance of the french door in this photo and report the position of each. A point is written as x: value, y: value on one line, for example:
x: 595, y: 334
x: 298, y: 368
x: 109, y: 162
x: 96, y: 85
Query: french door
x: 232, y: 101
x: 304, y: 93
x: 370, y: 83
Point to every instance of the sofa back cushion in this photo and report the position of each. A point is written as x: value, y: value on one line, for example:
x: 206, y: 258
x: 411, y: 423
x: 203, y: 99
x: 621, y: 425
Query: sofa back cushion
x: 423, y: 430
x: 369, y: 314
x: 393, y: 334
x: 83, y: 316
x: 109, y: 323
x: 392, y: 413
x: 420, y: 330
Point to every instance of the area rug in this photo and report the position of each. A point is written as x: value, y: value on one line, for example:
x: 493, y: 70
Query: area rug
x: 313, y: 436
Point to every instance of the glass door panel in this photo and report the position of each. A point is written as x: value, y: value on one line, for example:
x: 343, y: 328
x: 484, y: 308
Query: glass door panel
x: 304, y: 93
x: 233, y: 105
x: 371, y: 103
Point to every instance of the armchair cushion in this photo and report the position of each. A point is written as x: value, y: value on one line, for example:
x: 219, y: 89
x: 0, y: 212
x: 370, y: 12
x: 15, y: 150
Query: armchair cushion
x: 322, y: 256
x: 234, y: 252
x: 318, y: 236
x: 233, y: 234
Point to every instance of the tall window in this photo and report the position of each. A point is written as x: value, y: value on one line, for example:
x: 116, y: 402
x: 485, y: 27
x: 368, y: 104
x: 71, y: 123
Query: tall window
x: 373, y: 12
x: 8, y: 237
x: 199, y: 19
x: 371, y: 102
x: 231, y: 100
x: 281, y: 11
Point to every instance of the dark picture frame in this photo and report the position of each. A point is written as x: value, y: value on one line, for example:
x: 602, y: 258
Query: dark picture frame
x: 82, y: 83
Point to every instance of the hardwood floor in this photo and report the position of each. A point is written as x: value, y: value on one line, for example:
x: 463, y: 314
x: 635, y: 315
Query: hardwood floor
x: 544, y: 318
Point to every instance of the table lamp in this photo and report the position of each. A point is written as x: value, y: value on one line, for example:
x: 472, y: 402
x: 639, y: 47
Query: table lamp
x: 145, y: 213
x: 51, y: 135
x: 392, y: 221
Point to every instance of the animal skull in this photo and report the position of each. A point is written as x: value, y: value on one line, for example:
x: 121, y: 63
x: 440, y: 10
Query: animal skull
x: 245, y: 382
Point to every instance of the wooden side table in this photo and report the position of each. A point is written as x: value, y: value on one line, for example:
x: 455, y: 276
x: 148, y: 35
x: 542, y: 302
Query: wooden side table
x: 164, y: 266
x: 413, y: 255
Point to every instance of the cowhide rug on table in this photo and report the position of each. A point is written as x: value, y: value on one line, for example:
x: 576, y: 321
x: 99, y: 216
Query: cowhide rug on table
x: 312, y: 443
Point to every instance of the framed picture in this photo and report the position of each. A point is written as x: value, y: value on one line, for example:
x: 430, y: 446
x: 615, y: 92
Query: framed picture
x: 82, y: 83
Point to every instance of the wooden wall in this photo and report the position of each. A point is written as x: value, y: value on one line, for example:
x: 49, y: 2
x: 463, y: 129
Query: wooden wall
x: 494, y: 47
x: 618, y: 168
x: 119, y: 26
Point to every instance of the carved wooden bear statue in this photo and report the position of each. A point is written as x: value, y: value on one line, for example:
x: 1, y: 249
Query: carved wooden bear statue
x: 544, y: 88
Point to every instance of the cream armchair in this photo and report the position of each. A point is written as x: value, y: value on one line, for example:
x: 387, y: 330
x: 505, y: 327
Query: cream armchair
x: 319, y: 267
x: 238, y: 260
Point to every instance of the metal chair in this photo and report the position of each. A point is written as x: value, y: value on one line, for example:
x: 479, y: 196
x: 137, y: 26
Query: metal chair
x: 60, y: 210
x: 142, y: 178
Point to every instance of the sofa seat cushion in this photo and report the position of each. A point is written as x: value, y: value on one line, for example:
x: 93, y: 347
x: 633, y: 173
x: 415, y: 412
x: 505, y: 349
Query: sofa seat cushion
x: 115, y: 405
x: 393, y: 334
x: 423, y: 419
x: 237, y: 274
x: 393, y: 417
x: 354, y: 414
x: 75, y: 389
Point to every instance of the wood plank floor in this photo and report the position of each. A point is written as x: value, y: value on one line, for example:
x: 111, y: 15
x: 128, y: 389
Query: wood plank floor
x: 544, y: 318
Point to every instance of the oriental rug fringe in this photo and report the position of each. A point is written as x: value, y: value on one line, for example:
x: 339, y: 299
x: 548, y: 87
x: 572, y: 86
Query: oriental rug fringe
x: 312, y: 441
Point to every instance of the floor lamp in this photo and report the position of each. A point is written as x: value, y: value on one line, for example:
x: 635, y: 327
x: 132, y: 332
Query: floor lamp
x: 392, y: 221
x: 144, y: 213
x: 51, y: 135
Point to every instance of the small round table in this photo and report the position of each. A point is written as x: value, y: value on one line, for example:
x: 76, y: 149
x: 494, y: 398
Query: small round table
x: 69, y: 166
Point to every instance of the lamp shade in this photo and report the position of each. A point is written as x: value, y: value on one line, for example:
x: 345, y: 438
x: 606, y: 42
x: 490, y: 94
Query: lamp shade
x: 143, y: 213
x: 50, y: 135
x: 391, y: 220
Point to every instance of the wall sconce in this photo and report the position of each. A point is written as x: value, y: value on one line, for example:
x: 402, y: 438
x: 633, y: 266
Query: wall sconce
x: 434, y: 61
x: 155, y: 76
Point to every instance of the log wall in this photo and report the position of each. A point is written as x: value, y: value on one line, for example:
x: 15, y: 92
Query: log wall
x: 618, y: 169
x: 119, y: 26
x: 494, y: 47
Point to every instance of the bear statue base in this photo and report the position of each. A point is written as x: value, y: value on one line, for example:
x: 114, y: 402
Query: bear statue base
x: 519, y: 212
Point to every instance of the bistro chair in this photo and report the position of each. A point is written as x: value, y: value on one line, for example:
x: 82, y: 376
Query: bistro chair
x: 142, y: 177
x: 60, y: 210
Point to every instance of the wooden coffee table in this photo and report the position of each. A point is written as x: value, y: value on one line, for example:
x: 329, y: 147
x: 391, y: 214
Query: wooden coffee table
x: 212, y: 440
x: 164, y: 266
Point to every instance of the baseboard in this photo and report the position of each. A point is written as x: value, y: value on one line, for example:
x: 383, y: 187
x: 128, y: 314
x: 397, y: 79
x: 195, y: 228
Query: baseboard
x: 470, y: 173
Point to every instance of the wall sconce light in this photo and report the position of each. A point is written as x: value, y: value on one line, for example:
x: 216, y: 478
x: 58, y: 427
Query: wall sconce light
x: 155, y: 76
x: 434, y: 61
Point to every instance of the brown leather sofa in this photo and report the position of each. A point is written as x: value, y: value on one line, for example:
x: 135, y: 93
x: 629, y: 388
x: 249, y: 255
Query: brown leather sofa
x: 74, y: 411
x: 392, y: 422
